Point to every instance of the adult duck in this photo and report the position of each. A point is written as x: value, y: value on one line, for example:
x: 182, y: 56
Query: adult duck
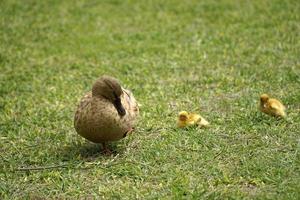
x: 107, y: 113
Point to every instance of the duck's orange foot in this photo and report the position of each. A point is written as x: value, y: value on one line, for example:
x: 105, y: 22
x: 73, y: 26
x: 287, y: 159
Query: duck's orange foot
x: 128, y: 132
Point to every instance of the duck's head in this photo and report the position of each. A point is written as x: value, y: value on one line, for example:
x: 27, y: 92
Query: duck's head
x: 264, y: 98
x: 109, y: 88
x: 183, y: 116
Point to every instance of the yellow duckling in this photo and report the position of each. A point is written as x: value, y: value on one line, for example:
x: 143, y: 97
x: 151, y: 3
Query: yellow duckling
x: 186, y: 119
x: 271, y: 106
x: 107, y: 113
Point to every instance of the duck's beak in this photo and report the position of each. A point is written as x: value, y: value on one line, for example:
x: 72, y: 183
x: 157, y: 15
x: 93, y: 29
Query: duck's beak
x: 119, y: 107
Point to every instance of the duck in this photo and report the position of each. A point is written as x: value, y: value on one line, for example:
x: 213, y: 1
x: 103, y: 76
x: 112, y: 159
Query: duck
x: 271, y: 106
x: 106, y: 113
x: 186, y: 119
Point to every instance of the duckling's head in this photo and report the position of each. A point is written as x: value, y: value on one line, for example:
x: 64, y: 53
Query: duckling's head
x: 109, y: 88
x: 264, y: 98
x: 183, y: 116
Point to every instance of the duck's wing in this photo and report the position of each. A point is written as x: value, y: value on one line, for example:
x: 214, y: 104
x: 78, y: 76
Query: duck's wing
x: 82, y: 106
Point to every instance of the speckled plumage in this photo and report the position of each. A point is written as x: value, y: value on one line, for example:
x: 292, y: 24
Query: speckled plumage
x: 98, y: 120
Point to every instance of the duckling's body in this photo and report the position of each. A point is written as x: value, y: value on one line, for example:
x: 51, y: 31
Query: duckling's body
x: 202, y: 122
x: 186, y: 119
x: 107, y: 115
x: 272, y: 106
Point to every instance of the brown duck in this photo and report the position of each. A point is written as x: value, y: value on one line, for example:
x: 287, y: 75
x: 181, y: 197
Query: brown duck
x: 107, y: 113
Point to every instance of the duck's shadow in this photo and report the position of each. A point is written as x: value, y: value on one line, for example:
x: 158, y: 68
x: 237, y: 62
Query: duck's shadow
x: 258, y: 117
x: 87, y: 151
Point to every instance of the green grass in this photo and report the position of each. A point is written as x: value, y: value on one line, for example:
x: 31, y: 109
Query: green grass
x: 209, y: 56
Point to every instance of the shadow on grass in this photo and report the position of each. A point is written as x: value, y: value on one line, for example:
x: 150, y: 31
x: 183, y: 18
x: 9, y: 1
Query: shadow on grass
x: 261, y: 118
x: 88, y: 151
x: 75, y: 153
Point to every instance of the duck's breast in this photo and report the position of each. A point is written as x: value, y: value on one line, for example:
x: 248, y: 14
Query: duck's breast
x: 131, y: 106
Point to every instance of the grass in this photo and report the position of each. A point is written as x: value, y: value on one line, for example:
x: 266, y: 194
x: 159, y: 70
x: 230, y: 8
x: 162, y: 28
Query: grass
x: 212, y: 57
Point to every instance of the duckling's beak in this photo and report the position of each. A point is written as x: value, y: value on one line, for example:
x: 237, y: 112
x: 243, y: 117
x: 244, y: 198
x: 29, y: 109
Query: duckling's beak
x: 118, y: 105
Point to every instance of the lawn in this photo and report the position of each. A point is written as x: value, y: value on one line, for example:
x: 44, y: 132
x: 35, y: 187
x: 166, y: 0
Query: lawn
x: 211, y: 57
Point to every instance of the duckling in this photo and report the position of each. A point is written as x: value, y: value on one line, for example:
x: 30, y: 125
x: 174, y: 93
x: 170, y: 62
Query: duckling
x: 107, y: 113
x: 190, y: 119
x: 271, y: 106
